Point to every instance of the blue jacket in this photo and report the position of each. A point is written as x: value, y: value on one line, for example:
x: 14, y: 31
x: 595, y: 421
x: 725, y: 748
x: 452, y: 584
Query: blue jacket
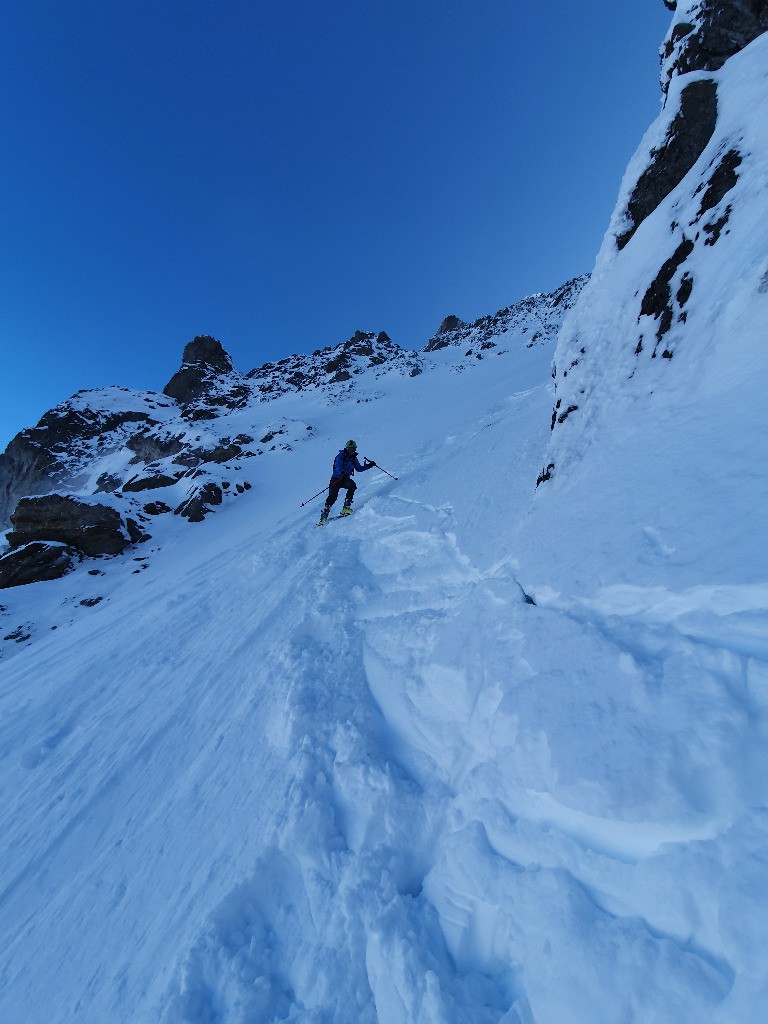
x: 346, y: 462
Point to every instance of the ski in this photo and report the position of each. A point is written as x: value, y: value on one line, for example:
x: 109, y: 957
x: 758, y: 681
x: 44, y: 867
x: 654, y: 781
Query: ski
x: 340, y: 515
x: 330, y: 519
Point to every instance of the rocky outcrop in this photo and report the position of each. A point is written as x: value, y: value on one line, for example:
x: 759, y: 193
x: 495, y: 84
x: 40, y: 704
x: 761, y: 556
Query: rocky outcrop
x: 90, y: 527
x: 198, y: 504
x: 535, y: 320
x: 450, y: 323
x: 37, y: 561
x: 156, y: 508
x: 26, y: 467
x: 207, y: 380
x: 150, y: 445
x: 47, y: 454
x: 688, y: 135
x: 204, y: 359
x: 150, y: 481
x: 335, y: 367
x: 705, y: 33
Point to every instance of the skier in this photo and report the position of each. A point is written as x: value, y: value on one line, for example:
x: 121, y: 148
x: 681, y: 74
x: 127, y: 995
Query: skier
x: 344, y: 466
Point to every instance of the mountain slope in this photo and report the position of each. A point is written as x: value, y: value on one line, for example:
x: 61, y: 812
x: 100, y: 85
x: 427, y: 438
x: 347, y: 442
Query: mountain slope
x: 351, y: 773
x: 484, y: 752
x: 180, y: 744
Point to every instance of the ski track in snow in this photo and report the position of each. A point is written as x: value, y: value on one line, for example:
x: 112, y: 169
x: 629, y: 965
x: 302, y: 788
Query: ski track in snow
x: 358, y: 826
x: 399, y: 811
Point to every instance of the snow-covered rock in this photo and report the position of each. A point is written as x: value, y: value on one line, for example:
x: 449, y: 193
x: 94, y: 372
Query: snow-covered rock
x: 535, y: 319
x: 334, y: 368
x: 667, y: 336
x: 704, y: 34
x: 88, y: 426
x: 35, y: 561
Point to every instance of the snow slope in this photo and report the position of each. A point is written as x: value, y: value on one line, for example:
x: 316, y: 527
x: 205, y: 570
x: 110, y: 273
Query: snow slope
x: 350, y: 774
x: 210, y: 729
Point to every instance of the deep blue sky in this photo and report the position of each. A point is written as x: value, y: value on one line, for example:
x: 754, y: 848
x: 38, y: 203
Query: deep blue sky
x: 282, y: 174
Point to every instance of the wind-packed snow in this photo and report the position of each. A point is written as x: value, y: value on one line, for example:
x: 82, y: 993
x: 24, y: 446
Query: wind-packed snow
x: 481, y: 753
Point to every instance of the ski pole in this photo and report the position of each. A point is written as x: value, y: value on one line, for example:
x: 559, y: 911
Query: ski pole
x: 381, y: 468
x: 313, y: 497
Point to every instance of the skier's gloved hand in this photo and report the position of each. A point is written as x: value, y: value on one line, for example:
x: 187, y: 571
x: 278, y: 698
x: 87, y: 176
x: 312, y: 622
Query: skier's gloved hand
x: 370, y: 462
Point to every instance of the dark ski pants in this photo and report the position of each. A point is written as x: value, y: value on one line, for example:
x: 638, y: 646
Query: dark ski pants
x: 336, y: 484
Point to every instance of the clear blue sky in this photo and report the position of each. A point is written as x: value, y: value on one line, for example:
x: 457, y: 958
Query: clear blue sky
x: 282, y: 174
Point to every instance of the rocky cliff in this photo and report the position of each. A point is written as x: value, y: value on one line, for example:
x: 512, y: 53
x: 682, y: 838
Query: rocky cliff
x: 703, y: 35
x: 687, y: 227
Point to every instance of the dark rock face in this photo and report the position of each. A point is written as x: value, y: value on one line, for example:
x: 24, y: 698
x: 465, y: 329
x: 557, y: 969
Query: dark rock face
x: 149, y: 446
x: 197, y: 505
x: 91, y: 528
x: 107, y: 482
x: 207, y: 351
x: 39, y: 456
x: 687, y: 137
x: 149, y: 482
x: 658, y: 301
x: 26, y: 467
x: 135, y: 532
x: 223, y: 453
x: 194, y: 456
x: 156, y: 508
x: 37, y: 561
x: 722, y: 180
x: 203, y: 361
x: 667, y: 295
x: 717, y: 29
x: 450, y: 323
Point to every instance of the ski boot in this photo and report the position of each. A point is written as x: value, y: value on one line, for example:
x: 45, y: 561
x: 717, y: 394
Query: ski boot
x: 323, y: 516
x: 346, y: 511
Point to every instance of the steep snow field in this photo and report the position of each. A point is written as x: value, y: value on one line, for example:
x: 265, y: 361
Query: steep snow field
x: 350, y: 774
x: 224, y: 727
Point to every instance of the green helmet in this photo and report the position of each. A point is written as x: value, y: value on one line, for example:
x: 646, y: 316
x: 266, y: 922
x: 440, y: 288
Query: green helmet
x: 352, y: 445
